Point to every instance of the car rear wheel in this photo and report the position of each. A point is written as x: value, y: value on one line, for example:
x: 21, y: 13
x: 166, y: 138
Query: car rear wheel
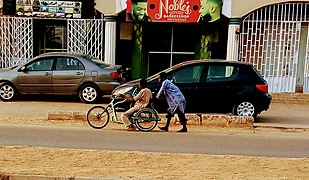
x: 7, y: 92
x: 245, y: 108
x: 89, y: 93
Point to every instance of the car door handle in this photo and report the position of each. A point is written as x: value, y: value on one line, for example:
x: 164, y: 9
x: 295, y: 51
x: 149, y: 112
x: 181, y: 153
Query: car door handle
x: 48, y: 73
x: 79, y: 73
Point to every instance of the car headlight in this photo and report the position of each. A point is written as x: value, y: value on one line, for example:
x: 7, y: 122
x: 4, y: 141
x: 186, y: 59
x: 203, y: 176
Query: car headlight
x: 122, y: 90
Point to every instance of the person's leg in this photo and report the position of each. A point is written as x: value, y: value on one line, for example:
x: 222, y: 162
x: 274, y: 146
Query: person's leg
x: 168, y: 120
x: 183, y: 120
x: 125, y: 117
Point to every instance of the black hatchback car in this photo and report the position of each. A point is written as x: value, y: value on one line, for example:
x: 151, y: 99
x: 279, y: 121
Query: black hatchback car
x: 212, y: 86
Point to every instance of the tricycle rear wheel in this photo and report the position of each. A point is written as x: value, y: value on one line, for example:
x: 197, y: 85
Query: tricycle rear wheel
x: 146, y: 119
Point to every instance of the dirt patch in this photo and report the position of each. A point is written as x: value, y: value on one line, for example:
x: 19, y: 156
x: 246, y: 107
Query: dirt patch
x: 41, y: 161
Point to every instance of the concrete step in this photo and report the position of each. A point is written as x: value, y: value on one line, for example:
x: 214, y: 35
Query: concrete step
x: 209, y: 120
x: 290, y: 98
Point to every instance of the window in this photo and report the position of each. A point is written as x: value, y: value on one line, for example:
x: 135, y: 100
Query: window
x: 220, y: 73
x: 188, y: 75
x: 40, y: 65
x: 65, y: 63
x: 169, y: 44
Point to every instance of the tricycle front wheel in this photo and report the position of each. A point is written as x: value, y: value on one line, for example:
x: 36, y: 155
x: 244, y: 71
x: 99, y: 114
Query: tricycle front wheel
x: 98, y: 117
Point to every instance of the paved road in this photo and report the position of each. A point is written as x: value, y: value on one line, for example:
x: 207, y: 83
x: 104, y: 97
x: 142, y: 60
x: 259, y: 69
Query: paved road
x: 219, y: 143
x: 279, y: 115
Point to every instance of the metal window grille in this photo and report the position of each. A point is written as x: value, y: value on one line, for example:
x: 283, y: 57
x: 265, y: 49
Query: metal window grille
x: 270, y: 40
x: 86, y: 36
x: 16, y: 45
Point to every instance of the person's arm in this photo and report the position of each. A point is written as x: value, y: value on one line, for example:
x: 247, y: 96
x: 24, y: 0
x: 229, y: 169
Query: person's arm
x: 139, y: 95
x: 161, y: 90
x: 126, y: 97
x: 135, y: 98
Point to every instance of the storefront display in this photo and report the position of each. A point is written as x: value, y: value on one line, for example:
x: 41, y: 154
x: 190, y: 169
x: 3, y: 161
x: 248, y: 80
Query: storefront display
x: 183, y: 11
x: 49, y: 9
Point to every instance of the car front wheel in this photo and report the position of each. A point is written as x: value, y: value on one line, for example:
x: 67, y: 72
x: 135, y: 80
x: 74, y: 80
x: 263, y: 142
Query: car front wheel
x: 7, y: 92
x: 245, y: 108
x: 89, y: 93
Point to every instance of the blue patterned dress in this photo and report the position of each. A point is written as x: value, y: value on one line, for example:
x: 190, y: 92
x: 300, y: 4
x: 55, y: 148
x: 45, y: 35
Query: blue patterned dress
x: 174, y: 96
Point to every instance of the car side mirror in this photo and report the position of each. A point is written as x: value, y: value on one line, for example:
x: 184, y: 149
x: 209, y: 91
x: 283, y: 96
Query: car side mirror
x: 23, y: 69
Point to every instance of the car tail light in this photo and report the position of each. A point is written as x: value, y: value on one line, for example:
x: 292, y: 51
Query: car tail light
x: 262, y: 87
x: 115, y: 75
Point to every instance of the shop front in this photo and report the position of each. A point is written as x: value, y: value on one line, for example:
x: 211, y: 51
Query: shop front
x: 168, y: 32
x: 32, y: 27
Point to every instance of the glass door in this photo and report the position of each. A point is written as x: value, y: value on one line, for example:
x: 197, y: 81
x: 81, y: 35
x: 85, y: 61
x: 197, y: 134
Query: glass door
x: 169, y: 44
x: 55, y: 39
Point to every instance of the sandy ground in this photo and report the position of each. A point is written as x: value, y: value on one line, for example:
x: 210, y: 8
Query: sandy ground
x: 102, y: 164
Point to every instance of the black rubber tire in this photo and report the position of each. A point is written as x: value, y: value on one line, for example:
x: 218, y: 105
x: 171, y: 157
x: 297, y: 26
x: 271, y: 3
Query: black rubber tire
x: 245, y: 108
x: 7, y: 91
x: 89, y: 93
x: 142, y: 121
x: 97, y: 117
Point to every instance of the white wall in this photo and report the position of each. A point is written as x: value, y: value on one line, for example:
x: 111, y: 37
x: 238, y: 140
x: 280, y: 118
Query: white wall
x: 121, y: 5
x: 242, y: 7
x: 227, y: 8
x: 110, y: 6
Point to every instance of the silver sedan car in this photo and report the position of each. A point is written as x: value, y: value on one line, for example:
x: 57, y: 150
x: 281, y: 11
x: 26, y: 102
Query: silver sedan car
x: 63, y: 74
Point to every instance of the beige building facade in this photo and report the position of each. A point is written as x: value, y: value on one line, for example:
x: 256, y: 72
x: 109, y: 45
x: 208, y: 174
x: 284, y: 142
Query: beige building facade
x: 273, y: 35
x: 1, y: 6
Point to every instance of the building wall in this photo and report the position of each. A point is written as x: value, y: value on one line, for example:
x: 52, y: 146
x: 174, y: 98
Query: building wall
x: 231, y: 8
x: 248, y: 6
x: 277, y: 45
x: 106, y: 6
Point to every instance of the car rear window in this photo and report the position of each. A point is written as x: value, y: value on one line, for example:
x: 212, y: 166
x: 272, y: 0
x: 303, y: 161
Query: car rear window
x: 97, y: 61
x: 250, y: 74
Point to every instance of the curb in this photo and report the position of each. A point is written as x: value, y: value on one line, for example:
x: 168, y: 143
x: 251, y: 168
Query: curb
x: 218, y: 120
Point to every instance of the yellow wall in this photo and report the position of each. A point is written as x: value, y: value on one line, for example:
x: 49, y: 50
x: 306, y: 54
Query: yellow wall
x: 234, y: 8
x: 1, y: 3
x: 242, y: 7
x: 106, y: 6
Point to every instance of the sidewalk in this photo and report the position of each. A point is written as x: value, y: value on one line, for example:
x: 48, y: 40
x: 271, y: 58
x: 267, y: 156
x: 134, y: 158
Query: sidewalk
x: 278, y: 115
x: 283, y: 115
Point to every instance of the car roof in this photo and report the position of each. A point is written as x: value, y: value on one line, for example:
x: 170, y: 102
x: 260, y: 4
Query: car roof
x: 62, y: 54
x: 223, y: 61
x: 199, y: 61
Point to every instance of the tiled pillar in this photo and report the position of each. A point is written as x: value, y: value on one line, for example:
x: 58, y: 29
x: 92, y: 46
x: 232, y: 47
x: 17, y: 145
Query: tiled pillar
x: 110, y: 39
x: 233, y: 39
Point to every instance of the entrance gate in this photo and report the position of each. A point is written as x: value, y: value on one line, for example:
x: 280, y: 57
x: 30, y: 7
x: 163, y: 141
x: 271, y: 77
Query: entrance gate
x: 16, y: 39
x: 86, y: 36
x: 272, y: 40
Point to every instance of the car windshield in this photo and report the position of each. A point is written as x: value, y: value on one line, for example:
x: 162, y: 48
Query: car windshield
x: 155, y: 76
x: 13, y: 67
